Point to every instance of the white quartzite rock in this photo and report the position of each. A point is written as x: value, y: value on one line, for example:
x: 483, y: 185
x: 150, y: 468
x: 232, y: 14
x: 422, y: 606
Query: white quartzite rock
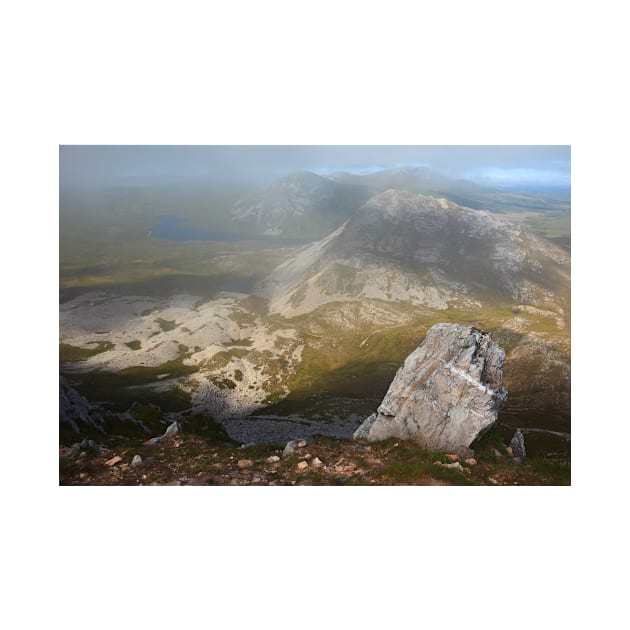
x: 517, y: 445
x: 290, y: 448
x: 173, y: 429
x: 447, y: 393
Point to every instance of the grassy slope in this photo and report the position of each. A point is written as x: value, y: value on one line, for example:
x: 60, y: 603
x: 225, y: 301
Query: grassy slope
x: 138, y: 264
x: 336, y: 365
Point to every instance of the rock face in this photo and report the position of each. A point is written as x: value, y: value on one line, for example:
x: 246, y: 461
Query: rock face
x: 447, y: 393
x: 75, y: 410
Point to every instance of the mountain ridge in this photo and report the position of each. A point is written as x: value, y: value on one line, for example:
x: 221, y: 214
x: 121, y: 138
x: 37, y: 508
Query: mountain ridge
x: 431, y: 251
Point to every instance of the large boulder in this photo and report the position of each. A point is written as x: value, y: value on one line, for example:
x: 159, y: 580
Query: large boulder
x: 447, y: 393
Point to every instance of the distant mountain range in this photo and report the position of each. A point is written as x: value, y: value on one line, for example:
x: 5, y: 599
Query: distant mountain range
x: 307, y: 205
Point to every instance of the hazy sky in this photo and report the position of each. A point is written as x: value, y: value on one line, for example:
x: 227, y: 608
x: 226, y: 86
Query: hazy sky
x: 98, y: 165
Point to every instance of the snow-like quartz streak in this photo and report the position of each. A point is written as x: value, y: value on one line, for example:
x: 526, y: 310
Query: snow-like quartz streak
x: 469, y: 379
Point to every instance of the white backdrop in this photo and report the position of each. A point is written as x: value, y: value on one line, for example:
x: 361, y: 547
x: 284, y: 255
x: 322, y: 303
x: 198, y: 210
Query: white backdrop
x: 339, y: 72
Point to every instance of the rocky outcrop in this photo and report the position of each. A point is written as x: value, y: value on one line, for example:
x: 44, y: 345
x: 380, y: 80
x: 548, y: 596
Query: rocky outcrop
x: 79, y: 416
x: 75, y: 411
x: 447, y: 393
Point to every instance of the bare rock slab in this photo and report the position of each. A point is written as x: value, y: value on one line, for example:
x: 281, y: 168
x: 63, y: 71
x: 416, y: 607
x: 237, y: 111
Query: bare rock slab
x: 447, y: 393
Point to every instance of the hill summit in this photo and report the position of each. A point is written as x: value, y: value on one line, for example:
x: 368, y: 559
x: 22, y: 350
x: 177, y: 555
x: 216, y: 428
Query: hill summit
x: 301, y: 204
x: 427, y: 251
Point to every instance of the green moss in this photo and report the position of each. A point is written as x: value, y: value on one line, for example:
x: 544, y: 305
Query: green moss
x: 223, y: 383
x: 165, y: 324
x: 206, y: 427
x: 121, y: 389
x: 221, y: 359
x: 116, y: 426
x: 242, y: 318
x: 552, y: 471
x: 136, y: 344
x: 490, y: 440
x: 239, y: 342
x: 69, y: 353
x: 421, y: 471
x: 149, y: 414
x: 143, y: 375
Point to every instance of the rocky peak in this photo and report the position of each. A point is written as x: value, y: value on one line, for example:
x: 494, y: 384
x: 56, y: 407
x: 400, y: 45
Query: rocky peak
x: 447, y: 393
x: 424, y: 213
x: 305, y: 181
x: 473, y: 247
x: 403, y: 246
x: 300, y: 203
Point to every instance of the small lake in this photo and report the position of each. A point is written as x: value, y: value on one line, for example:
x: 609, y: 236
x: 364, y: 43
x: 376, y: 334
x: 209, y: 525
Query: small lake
x: 173, y: 228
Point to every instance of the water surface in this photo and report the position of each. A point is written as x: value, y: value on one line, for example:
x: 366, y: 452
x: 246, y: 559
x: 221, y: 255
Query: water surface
x: 172, y: 228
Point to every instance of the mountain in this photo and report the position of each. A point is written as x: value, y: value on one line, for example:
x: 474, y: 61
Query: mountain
x: 301, y: 205
x: 486, y: 196
x: 430, y: 252
x: 412, y: 179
